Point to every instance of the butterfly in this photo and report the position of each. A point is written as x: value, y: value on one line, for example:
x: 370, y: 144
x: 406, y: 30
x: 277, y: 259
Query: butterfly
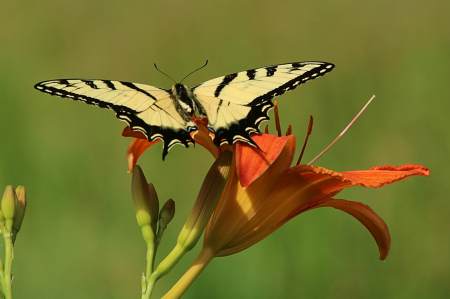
x: 234, y: 104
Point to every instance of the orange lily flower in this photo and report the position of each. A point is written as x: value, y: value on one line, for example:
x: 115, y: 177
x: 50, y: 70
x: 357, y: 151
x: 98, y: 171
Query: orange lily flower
x: 263, y: 192
x: 278, y: 192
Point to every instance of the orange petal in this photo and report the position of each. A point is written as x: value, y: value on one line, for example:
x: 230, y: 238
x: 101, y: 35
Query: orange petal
x: 202, y: 136
x: 382, y: 175
x: 364, y: 214
x: 136, y: 149
x: 252, y: 162
x: 329, y: 181
x: 127, y: 132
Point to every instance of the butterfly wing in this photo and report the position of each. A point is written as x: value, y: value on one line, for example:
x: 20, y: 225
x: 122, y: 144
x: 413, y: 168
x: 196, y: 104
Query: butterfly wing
x: 237, y: 103
x: 145, y: 108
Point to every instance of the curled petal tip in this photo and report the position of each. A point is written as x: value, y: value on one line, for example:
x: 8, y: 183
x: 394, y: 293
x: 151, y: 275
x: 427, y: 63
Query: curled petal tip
x: 364, y: 214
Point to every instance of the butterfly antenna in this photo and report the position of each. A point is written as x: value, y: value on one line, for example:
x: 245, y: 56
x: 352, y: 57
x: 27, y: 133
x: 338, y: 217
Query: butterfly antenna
x: 195, y: 71
x: 164, y: 73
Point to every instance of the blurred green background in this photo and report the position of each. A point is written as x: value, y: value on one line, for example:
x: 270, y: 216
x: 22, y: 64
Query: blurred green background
x: 80, y: 239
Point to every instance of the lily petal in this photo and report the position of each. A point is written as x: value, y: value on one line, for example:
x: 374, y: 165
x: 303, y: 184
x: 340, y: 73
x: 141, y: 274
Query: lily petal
x: 329, y: 181
x: 252, y: 162
x: 379, y: 176
x: 202, y: 137
x: 364, y: 214
x: 136, y: 149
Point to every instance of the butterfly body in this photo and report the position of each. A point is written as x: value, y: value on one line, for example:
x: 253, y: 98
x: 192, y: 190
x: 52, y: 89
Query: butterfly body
x: 234, y: 104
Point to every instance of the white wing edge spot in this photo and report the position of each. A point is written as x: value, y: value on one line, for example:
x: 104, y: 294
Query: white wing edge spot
x: 154, y: 137
x: 239, y: 137
x: 173, y: 142
x: 260, y: 119
x: 124, y: 117
x: 265, y: 108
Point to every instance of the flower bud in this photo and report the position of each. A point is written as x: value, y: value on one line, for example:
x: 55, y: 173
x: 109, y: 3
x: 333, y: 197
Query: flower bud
x: 9, y: 205
x: 154, y: 204
x: 20, y: 210
x: 145, y: 202
x: 21, y: 206
x: 166, y: 214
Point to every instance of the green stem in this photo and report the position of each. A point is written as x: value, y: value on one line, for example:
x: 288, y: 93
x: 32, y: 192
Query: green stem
x: 200, y: 263
x: 9, y: 255
x: 151, y: 284
x: 2, y: 277
x: 164, y: 267
x: 150, y: 258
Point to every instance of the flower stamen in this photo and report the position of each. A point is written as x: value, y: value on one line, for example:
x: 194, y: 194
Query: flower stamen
x: 277, y: 119
x: 289, y: 130
x: 266, y: 130
x: 306, y: 139
x: 342, y: 133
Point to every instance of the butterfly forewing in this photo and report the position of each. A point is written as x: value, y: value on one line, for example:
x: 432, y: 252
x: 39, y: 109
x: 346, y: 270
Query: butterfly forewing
x: 145, y: 108
x: 247, y: 97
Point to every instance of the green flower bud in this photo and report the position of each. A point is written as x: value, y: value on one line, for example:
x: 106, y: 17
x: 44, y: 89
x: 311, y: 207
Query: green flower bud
x: 154, y: 203
x: 21, y: 206
x: 166, y: 214
x: 145, y: 202
x: 9, y: 205
x: 20, y: 210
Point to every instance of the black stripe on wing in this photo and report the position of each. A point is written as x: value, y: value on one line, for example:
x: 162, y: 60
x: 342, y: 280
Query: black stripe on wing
x: 226, y: 80
x: 319, y: 71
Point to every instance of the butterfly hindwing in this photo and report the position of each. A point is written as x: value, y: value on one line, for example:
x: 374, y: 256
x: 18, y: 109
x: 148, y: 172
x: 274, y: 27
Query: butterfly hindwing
x: 145, y: 108
x: 237, y: 103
